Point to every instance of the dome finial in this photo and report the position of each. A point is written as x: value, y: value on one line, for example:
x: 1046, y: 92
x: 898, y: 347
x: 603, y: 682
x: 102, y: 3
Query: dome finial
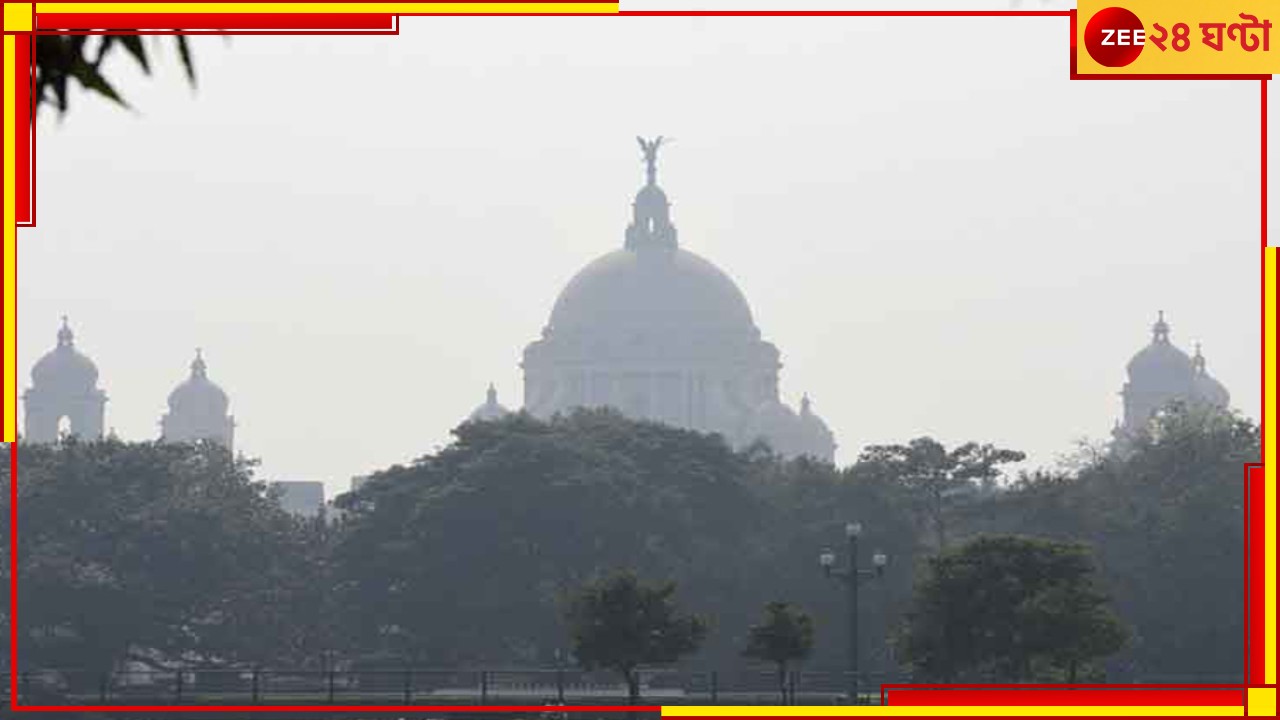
x: 650, y: 150
x: 65, y: 336
x: 805, y: 404
x: 491, y: 396
x: 651, y: 212
x: 1160, y: 331
x: 198, y: 368
x: 1197, y: 361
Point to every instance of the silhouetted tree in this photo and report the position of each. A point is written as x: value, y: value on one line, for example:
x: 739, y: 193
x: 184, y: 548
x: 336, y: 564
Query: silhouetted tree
x: 62, y: 58
x: 619, y: 623
x: 490, y: 532
x: 938, y: 478
x: 785, y: 636
x: 148, y: 552
x: 462, y: 556
x: 1166, y: 520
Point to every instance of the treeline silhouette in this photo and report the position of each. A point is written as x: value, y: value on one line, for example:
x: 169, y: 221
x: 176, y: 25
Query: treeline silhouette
x: 159, y: 554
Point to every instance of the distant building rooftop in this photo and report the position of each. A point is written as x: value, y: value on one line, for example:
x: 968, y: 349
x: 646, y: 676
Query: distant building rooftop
x: 300, y: 497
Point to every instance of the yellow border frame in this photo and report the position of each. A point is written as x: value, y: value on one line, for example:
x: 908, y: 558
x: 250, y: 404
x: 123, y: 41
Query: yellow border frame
x: 391, y: 8
x: 10, y: 236
x: 18, y: 18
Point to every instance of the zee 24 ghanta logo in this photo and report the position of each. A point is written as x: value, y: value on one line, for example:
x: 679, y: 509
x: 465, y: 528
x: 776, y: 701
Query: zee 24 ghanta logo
x: 1115, y: 37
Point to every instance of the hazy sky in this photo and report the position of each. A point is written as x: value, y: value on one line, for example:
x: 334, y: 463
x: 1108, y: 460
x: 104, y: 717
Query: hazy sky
x: 941, y: 233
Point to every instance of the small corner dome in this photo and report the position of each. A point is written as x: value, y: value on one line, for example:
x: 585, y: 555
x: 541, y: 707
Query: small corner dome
x: 198, y: 392
x: 1207, y: 389
x: 810, y: 421
x: 64, y: 367
x: 490, y: 409
x: 1210, y: 391
x: 774, y: 422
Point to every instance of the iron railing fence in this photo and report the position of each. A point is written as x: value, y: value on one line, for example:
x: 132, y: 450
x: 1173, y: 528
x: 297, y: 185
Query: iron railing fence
x: 200, y: 686
x: 425, y: 686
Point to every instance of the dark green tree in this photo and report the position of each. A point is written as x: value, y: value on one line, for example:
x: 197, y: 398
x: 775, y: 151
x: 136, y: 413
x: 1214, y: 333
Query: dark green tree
x: 808, y: 505
x: 150, y: 552
x: 785, y: 636
x: 937, y: 479
x: 620, y: 623
x: 1005, y: 608
x: 462, y: 557
x: 1166, y: 519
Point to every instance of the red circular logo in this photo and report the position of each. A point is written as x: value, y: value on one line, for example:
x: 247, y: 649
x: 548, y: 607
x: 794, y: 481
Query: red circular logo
x: 1114, y: 37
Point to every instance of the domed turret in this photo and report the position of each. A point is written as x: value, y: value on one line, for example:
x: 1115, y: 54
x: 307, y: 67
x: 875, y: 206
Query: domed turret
x: 63, y: 398
x: 198, y: 409
x: 64, y: 366
x: 1161, y: 374
x: 776, y: 424
x: 197, y: 393
x: 1207, y: 389
x: 1160, y: 361
x: 817, y: 440
x: 490, y: 409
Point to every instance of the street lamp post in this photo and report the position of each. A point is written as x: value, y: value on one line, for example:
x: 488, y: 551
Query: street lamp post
x: 852, y: 576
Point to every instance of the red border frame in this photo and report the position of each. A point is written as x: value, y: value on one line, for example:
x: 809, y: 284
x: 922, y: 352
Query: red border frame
x: 907, y: 694
x: 273, y: 23
x: 1084, y: 695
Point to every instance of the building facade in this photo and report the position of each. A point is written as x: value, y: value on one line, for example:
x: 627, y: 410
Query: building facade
x: 304, y: 498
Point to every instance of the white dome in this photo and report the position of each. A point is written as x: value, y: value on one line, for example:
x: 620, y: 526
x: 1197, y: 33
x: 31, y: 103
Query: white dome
x: 652, y: 289
x: 1161, y: 374
x: 810, y: 421
x: 64, y: 367
x: 1161, y: 362
x: 490, y: 409
x: 776, y: 424
x: 197, y: 394
x: 1210, y: 391
x: 788, y: 433
x: 662, y: 334
x: 1205, y: 387
x: 817, y: 438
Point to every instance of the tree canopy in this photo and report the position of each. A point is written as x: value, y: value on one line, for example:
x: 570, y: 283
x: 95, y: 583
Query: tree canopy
x: 517, y: 512
x: 620, y: 623
x: 1165, y: 519
x: 139, y: 552
x: 1009, y: 608
x: 935, y: 479
x: 785, y: 636
x: 464, y: 556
